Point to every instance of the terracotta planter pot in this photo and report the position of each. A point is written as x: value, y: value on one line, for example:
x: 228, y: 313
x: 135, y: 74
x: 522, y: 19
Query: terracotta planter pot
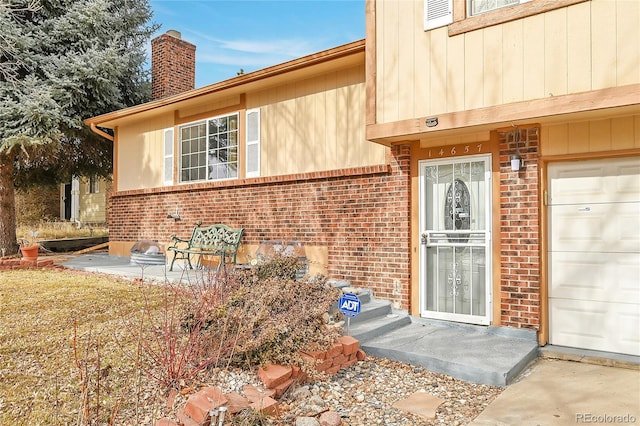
x: 30, y: 252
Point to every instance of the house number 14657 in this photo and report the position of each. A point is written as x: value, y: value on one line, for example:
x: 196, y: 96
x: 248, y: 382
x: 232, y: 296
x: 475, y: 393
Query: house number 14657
x: 453, y: 150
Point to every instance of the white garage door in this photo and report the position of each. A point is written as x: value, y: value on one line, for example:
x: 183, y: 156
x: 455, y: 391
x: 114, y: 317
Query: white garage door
x: 594, y: 254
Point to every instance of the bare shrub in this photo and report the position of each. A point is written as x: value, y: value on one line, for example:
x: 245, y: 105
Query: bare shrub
x: 240, y: 318
x: 36, y: 204
x: 97, y: 402
x: 283, y: 315
x: 168, y: 352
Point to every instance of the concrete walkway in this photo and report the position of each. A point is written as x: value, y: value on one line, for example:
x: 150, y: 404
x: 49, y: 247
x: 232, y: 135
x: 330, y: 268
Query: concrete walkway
x: 558, y: 392
x: 122, y: 266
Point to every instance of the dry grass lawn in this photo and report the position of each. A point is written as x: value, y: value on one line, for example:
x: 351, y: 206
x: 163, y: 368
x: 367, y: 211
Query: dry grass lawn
x: 55, y: 230
x: 68, y: 347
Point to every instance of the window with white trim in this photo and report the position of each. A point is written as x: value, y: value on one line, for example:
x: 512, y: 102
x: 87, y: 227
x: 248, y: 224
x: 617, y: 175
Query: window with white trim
x: 438, y: 13
x: 253, y: 142
x: 209, y: 149
x: 168, y: 157
x: 93, y: 185
x: 478, y: 7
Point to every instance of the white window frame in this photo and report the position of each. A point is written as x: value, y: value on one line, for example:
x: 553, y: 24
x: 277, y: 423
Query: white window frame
x: 252, y: 143
x: 490, y: 5
x: 168, y: 157
x: 93, y: 185
x: 209, y: 150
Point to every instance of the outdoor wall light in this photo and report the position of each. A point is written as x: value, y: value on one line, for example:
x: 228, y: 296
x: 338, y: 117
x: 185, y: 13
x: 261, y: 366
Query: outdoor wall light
x: 174, y: 216
x: 516, y: 162
x: 516, y: 158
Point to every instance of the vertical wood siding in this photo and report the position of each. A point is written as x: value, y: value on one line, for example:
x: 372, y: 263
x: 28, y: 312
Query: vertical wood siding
x: 315, y: 124
x: 310, y: 125
x: 93, y: 207
x: 586, y: 46
x: 611, y: 134
x: 140, y: 154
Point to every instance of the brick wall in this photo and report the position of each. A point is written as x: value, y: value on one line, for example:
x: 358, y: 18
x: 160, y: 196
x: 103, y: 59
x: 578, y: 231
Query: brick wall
x: 520, y: 228
x: 173, y: 66
x: 360, y: 214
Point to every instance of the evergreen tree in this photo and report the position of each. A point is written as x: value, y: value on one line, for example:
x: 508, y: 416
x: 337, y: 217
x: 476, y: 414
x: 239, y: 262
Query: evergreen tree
x: 62, y: 61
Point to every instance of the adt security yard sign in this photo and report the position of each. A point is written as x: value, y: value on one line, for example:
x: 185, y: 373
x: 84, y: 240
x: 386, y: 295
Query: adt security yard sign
x: 349, y: 305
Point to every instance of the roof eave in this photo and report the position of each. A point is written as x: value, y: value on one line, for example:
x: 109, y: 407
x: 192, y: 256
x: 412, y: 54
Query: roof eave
x: 243, y: 79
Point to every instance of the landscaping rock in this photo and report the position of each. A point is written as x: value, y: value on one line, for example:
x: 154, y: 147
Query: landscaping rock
x: 307, y: 421
x: 421, y: 404
x: 301, y: 393
x: 315, y: 405
x: 330, y: 418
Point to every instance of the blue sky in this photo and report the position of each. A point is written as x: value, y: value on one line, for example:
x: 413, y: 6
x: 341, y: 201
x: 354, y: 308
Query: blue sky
x: 255, y: 34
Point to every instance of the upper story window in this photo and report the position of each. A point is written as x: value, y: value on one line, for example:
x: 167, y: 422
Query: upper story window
x: 461, y: 16
x: 93, y: 185
x: 168, y: 156
x: 477, y: 7
x: 209, y: 149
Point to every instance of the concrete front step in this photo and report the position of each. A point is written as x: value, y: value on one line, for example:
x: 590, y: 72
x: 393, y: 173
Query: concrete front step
x: 374, y: 327
x: 474, y: 354
x: 371, y: 310
x: 480, y: 354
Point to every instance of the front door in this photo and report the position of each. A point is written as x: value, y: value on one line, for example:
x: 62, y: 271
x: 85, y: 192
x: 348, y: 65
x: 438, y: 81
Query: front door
x: 455, y: 224
x: 67, y: 201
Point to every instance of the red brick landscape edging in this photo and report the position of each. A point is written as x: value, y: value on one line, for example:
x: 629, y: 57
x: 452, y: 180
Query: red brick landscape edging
x: 276, y: 379
x: 19, y: 263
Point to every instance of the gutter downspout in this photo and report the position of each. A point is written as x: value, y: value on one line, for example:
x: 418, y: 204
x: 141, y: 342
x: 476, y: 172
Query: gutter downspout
x: 104, y: 134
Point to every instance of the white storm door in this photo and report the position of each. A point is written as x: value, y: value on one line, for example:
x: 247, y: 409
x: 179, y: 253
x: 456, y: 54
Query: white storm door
x: 455, y: 224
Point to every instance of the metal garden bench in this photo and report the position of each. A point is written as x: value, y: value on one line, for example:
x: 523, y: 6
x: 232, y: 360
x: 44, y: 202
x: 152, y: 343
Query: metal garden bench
x: 216, y: 240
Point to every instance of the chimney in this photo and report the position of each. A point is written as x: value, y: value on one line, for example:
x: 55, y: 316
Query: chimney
x: 173, y: 65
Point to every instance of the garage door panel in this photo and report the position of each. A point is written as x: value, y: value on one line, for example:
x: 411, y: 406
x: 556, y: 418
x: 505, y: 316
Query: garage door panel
x: 594, y: 254
x: 627, y: 185
x: 628, y: 218
x: 575, y: 186
x: 622, y: 324
x: 595, y: 227
x: 609, y: 277
x: 628, y: 323
x: 595, y: 182
x: 595, y: 325
x: 575, y: 324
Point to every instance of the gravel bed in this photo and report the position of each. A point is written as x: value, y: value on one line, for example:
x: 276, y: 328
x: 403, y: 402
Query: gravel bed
x: 364, y: 395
